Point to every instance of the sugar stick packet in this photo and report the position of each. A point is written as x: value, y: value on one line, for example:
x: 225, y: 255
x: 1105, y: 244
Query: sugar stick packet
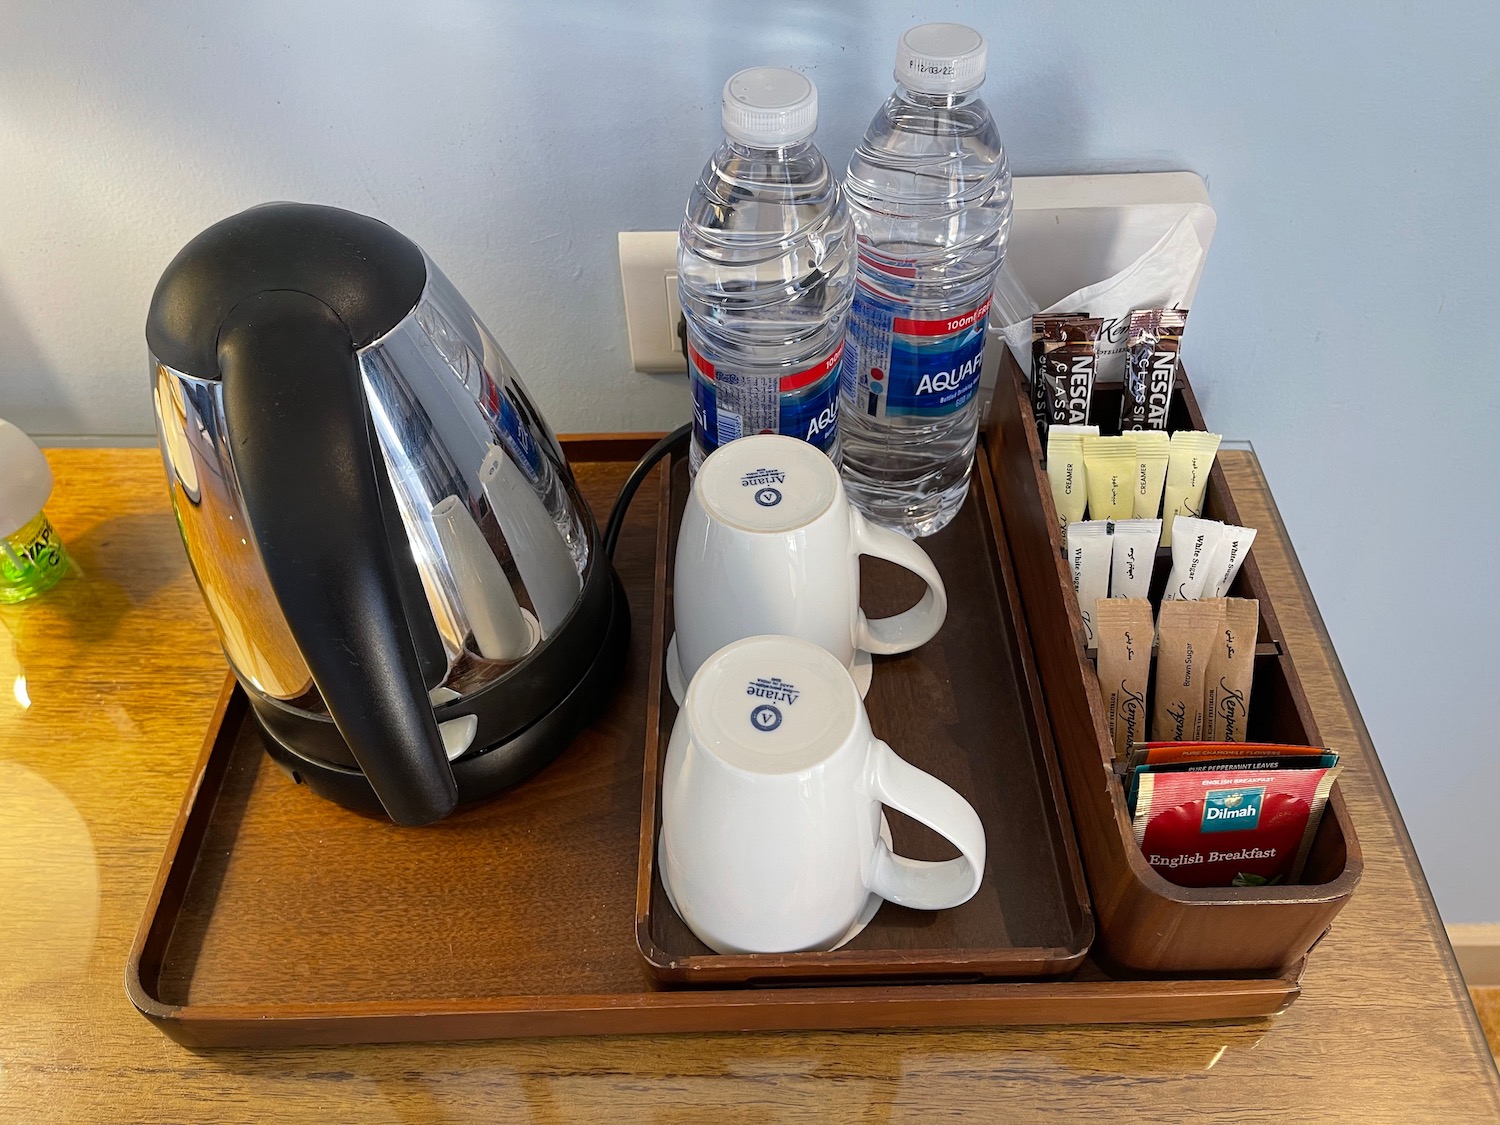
x: 1191, y: 456
x: 1125, y: 632
x: 1088, y: 558
x: 1186, y: 633
x: 1228, y: 557
x: 1132, y: 557
x: 1231, y: 670
x: 1194, y: 542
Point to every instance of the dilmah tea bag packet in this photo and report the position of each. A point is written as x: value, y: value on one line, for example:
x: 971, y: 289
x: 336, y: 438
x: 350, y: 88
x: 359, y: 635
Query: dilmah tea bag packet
x: 1231, y: 669
x: 1111, y: 466
x: 1088, y: 558
x: 1193, y: 754
x: 1230, y: 828
x: 1238, y: 758
x: 1186, y: 633
x: 1132, y: 556
x: 1066, y: 473
x: 1125, y: 632
x: 1190, y: 457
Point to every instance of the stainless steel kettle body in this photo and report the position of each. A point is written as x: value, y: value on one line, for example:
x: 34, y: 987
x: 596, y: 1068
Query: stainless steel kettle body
x: 403, y: 574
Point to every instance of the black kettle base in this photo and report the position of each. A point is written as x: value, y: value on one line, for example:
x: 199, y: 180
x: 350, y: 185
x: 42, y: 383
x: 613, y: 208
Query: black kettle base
x: 503, y: 765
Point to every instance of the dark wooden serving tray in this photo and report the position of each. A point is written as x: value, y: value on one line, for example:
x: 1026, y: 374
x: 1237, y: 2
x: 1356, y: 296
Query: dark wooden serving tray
x: 1145, y: 922
x: 966, y: 707
x: 278, y: 919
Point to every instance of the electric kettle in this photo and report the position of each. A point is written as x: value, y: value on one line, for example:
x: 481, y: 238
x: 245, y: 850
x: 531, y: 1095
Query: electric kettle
x: 403, y: 574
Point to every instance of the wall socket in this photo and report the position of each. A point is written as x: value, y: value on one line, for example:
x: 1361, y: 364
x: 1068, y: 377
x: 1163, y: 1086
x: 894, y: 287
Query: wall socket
x: 648, y: 274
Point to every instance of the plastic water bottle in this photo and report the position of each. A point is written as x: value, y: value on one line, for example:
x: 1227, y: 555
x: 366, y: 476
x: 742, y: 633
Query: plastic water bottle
x: 765, y: 271
x: 930, y: 195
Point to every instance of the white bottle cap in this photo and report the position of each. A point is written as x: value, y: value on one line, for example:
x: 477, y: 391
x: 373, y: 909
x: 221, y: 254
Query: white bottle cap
x: 941, y: 58
x: 25, y: 479
x: 770, y: 106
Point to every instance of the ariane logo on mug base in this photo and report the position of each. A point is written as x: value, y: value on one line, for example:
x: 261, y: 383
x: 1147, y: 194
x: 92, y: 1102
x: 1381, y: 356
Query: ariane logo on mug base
x: 765, y: 717
x: 762, y: 480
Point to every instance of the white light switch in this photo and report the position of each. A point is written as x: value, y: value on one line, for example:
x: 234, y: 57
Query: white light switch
x: 648, y: 273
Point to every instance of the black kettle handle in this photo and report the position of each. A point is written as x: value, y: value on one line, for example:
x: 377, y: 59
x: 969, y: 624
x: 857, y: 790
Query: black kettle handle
x: 311, y: 481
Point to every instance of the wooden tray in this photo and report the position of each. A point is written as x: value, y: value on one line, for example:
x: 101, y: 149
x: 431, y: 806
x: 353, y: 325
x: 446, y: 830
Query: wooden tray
x: 278, y: 919
x: 966, y: 707
x: 1146, y: 923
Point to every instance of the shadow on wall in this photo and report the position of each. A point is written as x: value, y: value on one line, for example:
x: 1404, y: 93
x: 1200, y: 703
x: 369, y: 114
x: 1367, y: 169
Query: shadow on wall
x: 32, y: 395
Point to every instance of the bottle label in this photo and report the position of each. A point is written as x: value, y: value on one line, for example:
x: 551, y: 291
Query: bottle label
x: 902, y: 365
x: 728, y: 405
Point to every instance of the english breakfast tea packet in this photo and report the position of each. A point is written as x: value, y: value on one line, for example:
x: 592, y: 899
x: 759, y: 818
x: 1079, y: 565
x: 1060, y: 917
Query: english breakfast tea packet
x: 1231, y: 828
x: 1066, y: 473
x: 1190, y: 457
x: 1231, y: 668
x: 1125, y: 632
x: 1088, y: 558
x: 1185, y: 635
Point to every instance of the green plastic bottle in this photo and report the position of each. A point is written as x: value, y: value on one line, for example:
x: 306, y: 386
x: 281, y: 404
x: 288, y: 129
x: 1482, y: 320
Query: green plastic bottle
x: 32, y: 558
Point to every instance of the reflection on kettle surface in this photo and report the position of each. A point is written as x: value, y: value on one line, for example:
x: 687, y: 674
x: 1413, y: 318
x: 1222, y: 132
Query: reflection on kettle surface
x: 388, y: 537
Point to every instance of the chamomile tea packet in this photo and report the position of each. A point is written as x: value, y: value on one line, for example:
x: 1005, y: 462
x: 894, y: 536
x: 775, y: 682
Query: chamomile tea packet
x: 1110, y: 463
x: 1190, y: 457
x: 1126, y: 632
x: 1231, y: 668
x: 1066, y: 473
x: 1151, y: 455
x: 1132, y: 555
x: 1228, y: 557
x: 1088, y: 559
x: 1194, y: 542
x: 1185, y: 635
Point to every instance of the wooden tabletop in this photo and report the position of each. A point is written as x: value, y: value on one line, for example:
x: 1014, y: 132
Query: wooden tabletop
x: 107, y: 684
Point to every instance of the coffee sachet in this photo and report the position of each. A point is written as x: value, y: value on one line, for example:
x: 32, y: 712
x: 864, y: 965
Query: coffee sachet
x: 1151, y: 367
x: 1232, y: 828
x: 1231, y: 668
x: 1125, y: 632
x: 1140, y: 344
x: 1065, y: 379
x: 1186, y: 633
x: 1046, y: 392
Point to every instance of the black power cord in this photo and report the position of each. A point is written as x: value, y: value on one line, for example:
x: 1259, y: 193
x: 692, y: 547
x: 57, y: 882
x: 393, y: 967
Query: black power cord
x: 677, y: 439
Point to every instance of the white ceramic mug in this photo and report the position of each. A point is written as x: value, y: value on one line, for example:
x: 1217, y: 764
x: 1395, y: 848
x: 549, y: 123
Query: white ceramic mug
x: 769, y: 543
x: 772, y: 836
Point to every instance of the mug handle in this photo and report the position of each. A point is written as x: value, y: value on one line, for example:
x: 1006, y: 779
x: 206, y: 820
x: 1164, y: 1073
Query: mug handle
x: 922, y: 884
x: 917, y: 625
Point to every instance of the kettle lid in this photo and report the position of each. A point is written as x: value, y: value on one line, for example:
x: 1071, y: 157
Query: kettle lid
x: 367, y: 273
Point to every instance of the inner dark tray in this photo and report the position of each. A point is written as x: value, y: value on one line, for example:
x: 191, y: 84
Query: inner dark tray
x: 965, y: 707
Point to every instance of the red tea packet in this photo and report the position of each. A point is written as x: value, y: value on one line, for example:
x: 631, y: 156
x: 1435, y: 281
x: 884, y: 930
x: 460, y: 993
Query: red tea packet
x: 1236, y: 828
x: 1165, y: 753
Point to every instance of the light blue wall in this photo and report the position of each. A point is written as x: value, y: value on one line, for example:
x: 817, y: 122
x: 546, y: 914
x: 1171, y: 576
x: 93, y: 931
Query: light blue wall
x: 1344, y: 322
